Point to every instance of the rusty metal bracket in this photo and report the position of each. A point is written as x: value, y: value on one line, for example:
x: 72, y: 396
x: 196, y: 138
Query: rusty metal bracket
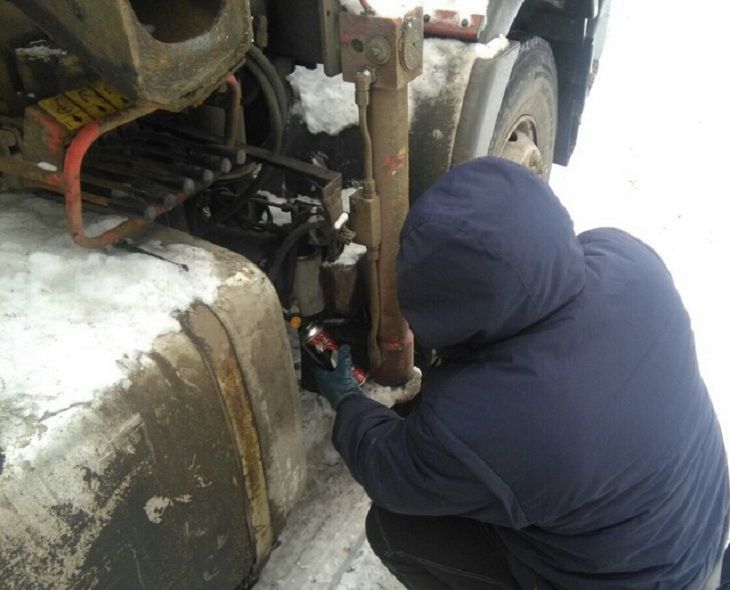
x: 73, y: 160
x: 328, y: 181
x: 233, y: 116
x: 382, y: 55
x: 446, y: 23
x: 68, y: 179
x: 393, y: 47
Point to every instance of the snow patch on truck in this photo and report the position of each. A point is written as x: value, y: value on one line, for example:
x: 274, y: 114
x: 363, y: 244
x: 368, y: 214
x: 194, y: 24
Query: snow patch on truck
x: 40, y: 50
x: 327, y: 105
x: 74, y: 322
x: 447, y: 65
x: 278, y: 215
x: 47, y: 166
x: 389, y: 8
x: 349, y: 256
x: 155, y: 508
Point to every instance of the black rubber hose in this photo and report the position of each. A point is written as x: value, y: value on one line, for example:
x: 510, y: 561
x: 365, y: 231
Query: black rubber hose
x: 272, y: 103
x: 288, y: 244
x: 277, y: 128
x: 272, y: 73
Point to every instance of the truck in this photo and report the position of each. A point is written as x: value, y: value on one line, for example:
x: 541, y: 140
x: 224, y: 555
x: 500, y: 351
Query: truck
x: 285, y: 141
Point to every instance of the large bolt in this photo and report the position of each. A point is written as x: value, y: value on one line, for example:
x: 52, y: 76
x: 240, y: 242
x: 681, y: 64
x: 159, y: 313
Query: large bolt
x: 378, y: 50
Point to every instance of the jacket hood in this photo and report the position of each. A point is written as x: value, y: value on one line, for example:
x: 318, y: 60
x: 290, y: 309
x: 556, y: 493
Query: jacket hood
x: 486, y: 252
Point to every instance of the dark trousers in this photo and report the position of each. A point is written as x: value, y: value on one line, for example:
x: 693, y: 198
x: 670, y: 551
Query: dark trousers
x: 450, y: 553
x: 438, y: 553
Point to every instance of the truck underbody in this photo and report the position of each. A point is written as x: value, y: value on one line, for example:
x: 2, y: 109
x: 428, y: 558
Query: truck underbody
x: 181, y: 114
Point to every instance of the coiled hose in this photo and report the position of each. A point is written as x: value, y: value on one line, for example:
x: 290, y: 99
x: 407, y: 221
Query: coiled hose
x: 277, y: 104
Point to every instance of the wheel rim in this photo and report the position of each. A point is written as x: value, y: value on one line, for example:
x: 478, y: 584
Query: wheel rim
x: 520, y: 146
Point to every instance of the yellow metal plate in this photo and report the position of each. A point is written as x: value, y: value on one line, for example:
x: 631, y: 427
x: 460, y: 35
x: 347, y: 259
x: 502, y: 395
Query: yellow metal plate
x: 111, y: 95
x: 76, y: 108
x: 93, y: 103
x: 66, y: 112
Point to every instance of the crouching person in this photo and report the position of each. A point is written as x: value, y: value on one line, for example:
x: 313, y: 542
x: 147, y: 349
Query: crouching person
x: 566, y: 439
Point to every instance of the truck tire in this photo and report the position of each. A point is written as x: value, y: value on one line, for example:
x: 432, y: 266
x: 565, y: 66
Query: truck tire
x: 528, y: 118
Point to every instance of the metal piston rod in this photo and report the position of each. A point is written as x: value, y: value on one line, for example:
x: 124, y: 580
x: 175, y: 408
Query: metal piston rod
x: 382, y: 55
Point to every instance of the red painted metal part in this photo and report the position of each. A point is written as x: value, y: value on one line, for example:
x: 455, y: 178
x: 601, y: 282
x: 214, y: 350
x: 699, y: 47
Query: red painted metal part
x: 72, y: 179
x: 446, y: 23
x: 397, y: 361
x: 233, y: 116
x: 73, y: 161
x: 53, y: 134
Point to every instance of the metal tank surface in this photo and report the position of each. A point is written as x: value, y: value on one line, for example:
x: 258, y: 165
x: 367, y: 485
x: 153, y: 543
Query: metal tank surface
x: 182, y: 477
x: 141, y: 45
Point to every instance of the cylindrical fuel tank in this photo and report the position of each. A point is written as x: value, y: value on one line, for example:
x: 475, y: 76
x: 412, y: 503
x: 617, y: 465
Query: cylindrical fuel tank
x: 179, y: 477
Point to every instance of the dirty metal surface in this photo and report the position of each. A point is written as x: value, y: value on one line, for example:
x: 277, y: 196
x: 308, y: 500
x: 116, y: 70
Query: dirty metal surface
x: 446, y: 23
x: 146, y: 486
x: 139, y: 46
x: 374, y: 42
x: 328, y: 182
x: 390, y: 51
x: 142, y: 490
x: 211, y: 338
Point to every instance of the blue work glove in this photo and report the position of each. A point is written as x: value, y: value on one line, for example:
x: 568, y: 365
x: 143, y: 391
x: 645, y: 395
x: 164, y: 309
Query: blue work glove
x: 339, y: 384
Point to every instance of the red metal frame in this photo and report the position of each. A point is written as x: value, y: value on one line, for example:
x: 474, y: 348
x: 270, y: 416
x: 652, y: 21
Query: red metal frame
x: 233, y: 116
x: 73, y: 161
x: 445, y: 23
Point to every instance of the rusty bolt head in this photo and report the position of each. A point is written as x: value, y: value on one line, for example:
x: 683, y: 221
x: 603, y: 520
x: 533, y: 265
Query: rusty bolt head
x: 378, y: 50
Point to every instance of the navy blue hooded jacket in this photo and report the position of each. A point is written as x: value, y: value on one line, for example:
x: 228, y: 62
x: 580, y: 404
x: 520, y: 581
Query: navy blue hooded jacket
x: 577, y: 422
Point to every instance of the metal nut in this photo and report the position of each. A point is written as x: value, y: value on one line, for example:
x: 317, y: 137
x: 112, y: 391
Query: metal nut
x: 378, y: 50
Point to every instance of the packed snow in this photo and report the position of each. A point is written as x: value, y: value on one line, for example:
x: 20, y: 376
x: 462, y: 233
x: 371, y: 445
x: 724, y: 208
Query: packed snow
x: 74, y: 322
x: 278, y: 215
x: 327, y: 105
x: 447, y: 65
x: 350, y: 255
x: 47, y: 166
x: 381, y: 7
x: 391, y: 8
x: 40, y: 50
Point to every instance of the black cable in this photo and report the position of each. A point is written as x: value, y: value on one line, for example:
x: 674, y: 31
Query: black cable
x: 272, y: 73
x: 272, y: 103
x: 278, y: 134
x: 289, y: 243
x: 275, y: 97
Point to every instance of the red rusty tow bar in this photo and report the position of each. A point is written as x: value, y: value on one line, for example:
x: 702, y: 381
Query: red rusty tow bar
x: 73, y: 160
x: 233, y: 116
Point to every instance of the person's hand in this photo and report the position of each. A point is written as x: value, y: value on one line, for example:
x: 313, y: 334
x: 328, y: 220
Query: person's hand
x: 339, y: 384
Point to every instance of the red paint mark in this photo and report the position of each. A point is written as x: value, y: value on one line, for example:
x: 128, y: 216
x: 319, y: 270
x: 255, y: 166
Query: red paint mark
x: 54, y: 134
x: 395, y: 163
